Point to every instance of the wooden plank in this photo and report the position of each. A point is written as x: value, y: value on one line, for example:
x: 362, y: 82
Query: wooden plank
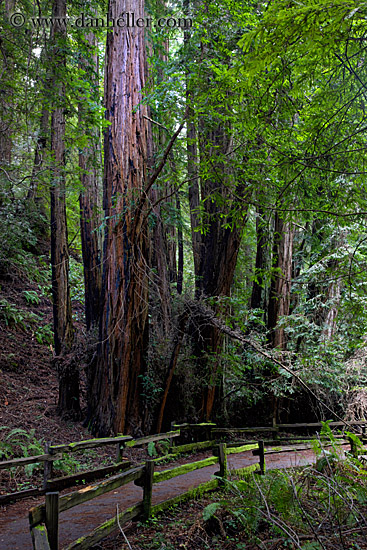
x: 52, y: 519
x: 89, y: 475
x: 39, y: 538
x: 319, y: 425
x: 149, y: 438
x: 193, y: 446
x: 184, y: 469
x: 246, y: 430
x: 87, y: 493
x: 11, y: 497
x: 290, y: 448
x: 89, y: 444
x: 241, y: 449
x: 106, y: 529
x: 28, y: 460
x: 37, y: 515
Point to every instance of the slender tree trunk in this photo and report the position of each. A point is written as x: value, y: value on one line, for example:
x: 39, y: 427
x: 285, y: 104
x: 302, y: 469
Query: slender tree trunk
x: 6, y: 94
x: 63, y: 326
x: 114, y: 397
x: 40, y: 150
x: 280, y: 290
x: 180, y: 262
x: 90, y: 197
x: 333, y: 294
x: 257, y: 300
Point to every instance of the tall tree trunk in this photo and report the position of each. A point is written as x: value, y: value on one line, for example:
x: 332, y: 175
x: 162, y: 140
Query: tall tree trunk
x: 40, y: 150
x: 280, y: 289
x: 114, y: 397
x: 257, y: 300
x: 90, y: 200
x: 6, y: 94
x: 63, y: 326
x: 180, y: 259
x: 218, y: 253
x: 192, y: 160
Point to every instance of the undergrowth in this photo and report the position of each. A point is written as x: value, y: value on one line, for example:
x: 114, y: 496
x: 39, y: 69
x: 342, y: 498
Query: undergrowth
x: 319, y: 507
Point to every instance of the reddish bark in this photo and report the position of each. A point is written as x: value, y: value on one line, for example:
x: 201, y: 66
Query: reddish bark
x: 219, y: 247
x: 114, y: 399
x: 89, y: 200
x: 280, y: 289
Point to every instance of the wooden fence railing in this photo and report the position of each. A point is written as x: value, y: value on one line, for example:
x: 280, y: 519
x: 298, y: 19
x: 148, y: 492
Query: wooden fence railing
x: 44, y: 519
x: 208, y: 431
x: 46, y: 514
x: 57, y: 452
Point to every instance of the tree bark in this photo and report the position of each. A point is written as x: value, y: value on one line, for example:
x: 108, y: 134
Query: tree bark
x: 90, y: 200
x: 280, y: 289
x: 257, y: 300
x: 63, y: 326
x: 219, y: 247
x: 114, y: 399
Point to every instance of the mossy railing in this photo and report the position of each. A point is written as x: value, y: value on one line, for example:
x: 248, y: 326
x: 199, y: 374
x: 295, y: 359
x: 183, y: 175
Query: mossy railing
x: 44, y: 519
x: 57, y: 452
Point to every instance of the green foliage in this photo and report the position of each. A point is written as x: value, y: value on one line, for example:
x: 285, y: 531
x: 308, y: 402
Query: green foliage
x: 45, y: 334
x: 152, y: 451
x: 210, y: 510
x: 18, y: 442
x: 11, y: 315
x: 76, y: 280
x: 31, y: 297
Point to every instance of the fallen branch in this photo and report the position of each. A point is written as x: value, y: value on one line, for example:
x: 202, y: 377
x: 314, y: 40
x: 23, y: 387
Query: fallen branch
x: 209, y: 316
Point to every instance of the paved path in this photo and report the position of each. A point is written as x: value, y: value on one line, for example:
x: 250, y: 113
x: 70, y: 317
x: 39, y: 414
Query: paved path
x: 14, y: 531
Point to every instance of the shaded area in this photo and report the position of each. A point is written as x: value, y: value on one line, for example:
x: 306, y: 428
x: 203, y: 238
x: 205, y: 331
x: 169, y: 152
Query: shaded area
x: 14, y: 529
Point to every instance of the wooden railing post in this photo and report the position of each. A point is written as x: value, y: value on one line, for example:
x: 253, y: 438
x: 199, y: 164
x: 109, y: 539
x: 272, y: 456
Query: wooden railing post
x: 222, y: 461
x: 172, y: 439
x: 52, y: 519
x: 47, y: 466
x: 119, y: 451
x: 148, y: 489
x: 353, y: 448
x: 262, y: 457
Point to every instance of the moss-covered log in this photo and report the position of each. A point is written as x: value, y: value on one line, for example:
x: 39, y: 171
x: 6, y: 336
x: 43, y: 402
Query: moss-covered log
x: 89, y: 444
x: 184, y: 469
x: 194, y: 446
x: 242, y: 449
x: 149, y: 438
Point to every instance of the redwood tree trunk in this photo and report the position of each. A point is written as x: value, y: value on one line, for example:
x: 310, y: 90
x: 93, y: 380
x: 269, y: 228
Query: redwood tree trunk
x: 280, y: 290
x: 114, y: 399
x: 89, y: 200
x: 218, y: 251
x: 257, y: 300
x: 63, y: 327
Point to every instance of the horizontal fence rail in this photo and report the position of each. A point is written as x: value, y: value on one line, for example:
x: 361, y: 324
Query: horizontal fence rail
x: 44, y: 519
x: 143, y: 476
